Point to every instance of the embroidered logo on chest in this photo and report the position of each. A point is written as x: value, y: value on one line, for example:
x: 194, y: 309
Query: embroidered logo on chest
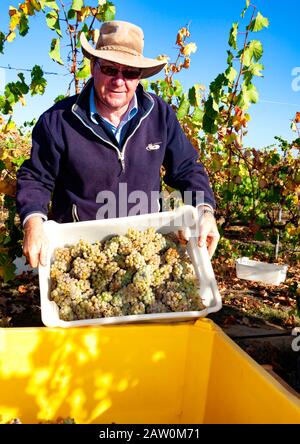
x: 153, y: 146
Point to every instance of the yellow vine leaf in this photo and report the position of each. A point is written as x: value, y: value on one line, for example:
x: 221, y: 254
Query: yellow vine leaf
x: 22, y: 101
x: 183, y: 32
x: 11, y: 36
x: 27, y: 7
x: 8, y: 186
x: 9, y: 127
x: 95, y: 35
x: 293, y: 126
x: 163, y: 57
x: 83, y: 13
x: 187, y: 62
x: 230, y: 138
x: 15, y: 17
x: 36, y: 5
x: 188, y: 49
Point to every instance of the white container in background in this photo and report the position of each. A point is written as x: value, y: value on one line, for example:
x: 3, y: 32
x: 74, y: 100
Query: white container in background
x: 184, y: 218
x: 260, y: 271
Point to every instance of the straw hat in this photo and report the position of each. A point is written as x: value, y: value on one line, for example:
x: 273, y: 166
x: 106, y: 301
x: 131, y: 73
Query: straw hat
x: 123, y: 43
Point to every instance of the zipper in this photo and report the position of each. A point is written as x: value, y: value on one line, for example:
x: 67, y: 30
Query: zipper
x: 137, y: 127
x: 120, y: 157
x: 121, y: 154
x: 74, y: 213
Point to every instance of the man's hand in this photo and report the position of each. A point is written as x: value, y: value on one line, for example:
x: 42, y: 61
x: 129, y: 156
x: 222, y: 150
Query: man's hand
x: 35, y: 245
x: 208, y: 232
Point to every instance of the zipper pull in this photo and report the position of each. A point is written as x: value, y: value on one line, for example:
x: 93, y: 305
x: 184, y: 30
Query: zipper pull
x: 122, y: 160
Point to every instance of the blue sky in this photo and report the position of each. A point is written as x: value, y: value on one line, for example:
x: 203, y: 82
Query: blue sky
x: 210, y: 23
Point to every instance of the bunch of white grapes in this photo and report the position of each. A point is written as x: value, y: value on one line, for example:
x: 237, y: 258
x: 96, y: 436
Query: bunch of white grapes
x: 137, y: 273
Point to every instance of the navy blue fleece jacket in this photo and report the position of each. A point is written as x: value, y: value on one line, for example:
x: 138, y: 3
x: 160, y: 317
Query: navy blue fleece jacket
x: 73, y: 160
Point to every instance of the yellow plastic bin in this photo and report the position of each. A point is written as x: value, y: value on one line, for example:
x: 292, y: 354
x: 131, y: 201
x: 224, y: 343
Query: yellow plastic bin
x: 142, y: 373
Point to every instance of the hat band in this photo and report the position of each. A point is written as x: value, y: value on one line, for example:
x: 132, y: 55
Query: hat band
x: 119, y: 49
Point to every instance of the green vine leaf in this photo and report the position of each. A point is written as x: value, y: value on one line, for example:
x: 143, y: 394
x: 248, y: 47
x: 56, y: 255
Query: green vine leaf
x: 194, y: 96
x: 230, y: 58
x: 258, y: 23
x: 84, y: 72
x: 59, y: 98
x: 22, y: 86
x: 38, y: 82
x: 248, y: 94
x: 247, y: 56
x: 2, y: 40
x: 77, y: 5
x: 52, y: 19
x: 256, y: 49
x: 54, y: 52
x: 232, y: 41
x: 23, y: 25
x: 109, y: 12
x: 145, y: 84
x: 255, y: 69
x: 71, y: 14
x: 245, y: 9
x: 230, y: 74
x: 85, y: 30
x: 7, y: 270
x: 178, y: 88
x: 184, y: 107
x: 51, y: 4
x: 210, y: 115
x: 197, y: 116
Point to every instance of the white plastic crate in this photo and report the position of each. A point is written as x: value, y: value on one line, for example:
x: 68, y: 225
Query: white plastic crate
x: 260, y: 271
x: 184, y: 218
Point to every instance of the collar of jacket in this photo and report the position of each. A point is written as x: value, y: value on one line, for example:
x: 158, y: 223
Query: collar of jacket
x: 81, y: 110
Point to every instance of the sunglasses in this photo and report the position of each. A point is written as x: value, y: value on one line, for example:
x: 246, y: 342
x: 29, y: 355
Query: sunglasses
x: 112, y: 71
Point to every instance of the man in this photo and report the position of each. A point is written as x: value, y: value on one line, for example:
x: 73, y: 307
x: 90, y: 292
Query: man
x: 111, y: 138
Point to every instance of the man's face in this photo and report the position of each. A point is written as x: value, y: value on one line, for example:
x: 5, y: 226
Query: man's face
x: 113, y: 88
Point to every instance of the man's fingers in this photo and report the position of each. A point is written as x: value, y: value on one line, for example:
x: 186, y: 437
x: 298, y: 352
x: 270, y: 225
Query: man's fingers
x: 212, y: 246
x: 33, y: 259
x: 211, y: 241
x: 43, y: 253
x: 35, y: 245
x: 181, y: 237
x: 201, y: 240
x: 36, y: 255
x: 203, y: 237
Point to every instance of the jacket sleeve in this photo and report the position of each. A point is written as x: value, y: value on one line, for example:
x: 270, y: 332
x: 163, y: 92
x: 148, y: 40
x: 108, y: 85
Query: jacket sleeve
x: 36, y: 177
x: 184, y: 172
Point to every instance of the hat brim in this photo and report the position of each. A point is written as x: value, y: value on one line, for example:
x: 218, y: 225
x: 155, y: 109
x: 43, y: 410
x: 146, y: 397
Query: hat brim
x: 149, y: 66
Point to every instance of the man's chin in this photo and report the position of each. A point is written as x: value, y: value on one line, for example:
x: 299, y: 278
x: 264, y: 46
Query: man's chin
x: 116, y: 103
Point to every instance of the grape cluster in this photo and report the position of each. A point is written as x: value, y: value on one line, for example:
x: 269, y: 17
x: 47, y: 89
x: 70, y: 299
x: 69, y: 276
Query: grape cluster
x: 140, y: 272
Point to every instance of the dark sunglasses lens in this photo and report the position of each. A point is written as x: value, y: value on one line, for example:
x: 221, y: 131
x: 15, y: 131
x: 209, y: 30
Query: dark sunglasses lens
x: 109, y: 70
x: 131, y: 74
x: 127, y: 73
